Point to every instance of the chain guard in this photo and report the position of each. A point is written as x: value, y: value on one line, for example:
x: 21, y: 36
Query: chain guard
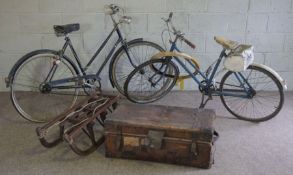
x: 206, y: 90
x: 96, y: 87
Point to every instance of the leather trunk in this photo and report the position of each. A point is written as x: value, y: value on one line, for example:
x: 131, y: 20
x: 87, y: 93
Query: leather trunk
x: 166, y: 134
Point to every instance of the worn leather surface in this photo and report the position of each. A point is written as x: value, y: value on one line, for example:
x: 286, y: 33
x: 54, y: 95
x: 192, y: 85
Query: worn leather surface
x: 167, y: 134
x: 226, y: 43
x: 168, y: 117
x: 65, y: 29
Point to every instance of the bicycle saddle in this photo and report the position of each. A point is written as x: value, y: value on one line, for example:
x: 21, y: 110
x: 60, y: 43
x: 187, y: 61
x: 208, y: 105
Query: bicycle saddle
x: 61, y: 30
x: 227, y: 44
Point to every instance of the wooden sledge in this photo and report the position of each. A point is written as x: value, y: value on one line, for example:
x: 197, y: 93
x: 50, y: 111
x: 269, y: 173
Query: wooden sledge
x: 79, y: 119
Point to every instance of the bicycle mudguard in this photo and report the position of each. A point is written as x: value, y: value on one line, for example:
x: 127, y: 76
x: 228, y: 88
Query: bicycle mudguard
x: 272, y: 71
x: 178, y: 55
x: 135, y: 40
x: 116, y: 54
x: 8, y: 79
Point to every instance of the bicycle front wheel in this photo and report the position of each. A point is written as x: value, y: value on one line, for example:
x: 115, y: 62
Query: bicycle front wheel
x: 139, y: 52
x: 151, y: 81
x: 31, y: 99
x: 253, y: 95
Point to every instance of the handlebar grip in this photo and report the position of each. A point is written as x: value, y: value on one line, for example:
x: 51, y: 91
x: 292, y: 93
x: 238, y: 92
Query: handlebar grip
x: 189, y: 43
x: 111, y: 9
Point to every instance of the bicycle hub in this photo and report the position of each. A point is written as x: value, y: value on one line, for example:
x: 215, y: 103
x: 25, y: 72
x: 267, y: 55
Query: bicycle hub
x: 45, y: 88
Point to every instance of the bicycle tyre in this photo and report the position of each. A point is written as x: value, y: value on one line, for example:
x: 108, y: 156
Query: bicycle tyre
x: 27, y: 98
x: 265, y: 111
x: 167, y: 84
x: 121, y: 67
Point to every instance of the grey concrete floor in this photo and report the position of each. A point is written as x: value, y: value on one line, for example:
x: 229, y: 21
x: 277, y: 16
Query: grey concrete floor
x: 243, y: 147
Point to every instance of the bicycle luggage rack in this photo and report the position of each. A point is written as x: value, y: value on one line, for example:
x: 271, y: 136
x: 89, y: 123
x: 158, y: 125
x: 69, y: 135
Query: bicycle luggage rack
x: 80, y: 118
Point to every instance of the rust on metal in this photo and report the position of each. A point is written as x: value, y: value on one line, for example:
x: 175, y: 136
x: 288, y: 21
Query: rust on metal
x: 81, y: 118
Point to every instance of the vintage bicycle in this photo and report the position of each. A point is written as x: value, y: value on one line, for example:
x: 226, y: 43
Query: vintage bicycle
x: 44, y: 83
x: 249, y: 91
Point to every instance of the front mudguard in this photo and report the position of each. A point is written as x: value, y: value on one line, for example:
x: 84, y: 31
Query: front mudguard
x: 116, y: 54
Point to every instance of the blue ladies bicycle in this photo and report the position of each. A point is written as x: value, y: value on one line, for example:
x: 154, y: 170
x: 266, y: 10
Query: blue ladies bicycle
x: 249, y: 91
x: 45, y: 83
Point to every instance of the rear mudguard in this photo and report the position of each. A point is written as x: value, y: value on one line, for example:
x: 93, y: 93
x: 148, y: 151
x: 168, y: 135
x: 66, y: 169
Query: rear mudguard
x: 9, y: 79
x: 272, y: 71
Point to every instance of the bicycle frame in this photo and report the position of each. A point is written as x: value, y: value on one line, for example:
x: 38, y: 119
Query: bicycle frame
x: 209, y: 79
x: 83, y: 69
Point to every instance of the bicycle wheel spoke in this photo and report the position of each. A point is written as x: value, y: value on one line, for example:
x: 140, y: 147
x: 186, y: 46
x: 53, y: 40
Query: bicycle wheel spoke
x: 146, y: 84
x: 28, y: 79
x: 264, y: 100
x: 25, y: 85
x: 139, y: 52
x: 34, y: 102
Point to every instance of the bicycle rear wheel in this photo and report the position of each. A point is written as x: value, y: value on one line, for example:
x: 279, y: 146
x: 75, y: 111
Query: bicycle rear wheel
x: 121, y: 66
x: 27, y: 89
x: 151, y: 81
x: 265, y: 96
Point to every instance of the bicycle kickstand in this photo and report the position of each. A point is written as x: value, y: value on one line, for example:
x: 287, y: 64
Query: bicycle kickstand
x: 203, y: 101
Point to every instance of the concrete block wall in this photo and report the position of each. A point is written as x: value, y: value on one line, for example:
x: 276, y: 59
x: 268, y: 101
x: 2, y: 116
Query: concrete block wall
x: 26, y: 25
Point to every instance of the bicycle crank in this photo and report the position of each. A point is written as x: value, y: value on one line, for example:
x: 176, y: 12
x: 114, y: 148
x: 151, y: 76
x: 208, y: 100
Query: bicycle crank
x: 92, y: 86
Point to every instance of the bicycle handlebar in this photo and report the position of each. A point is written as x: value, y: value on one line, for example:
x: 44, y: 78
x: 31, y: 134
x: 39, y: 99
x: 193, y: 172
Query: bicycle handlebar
x: 111, y: 9
x: 169, y: 21
x: 189, y: 43
x: 177, y: 32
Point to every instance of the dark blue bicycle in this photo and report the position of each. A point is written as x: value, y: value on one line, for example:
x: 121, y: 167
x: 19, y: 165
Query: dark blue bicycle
x: 44, y: 83
x: 249, y: 91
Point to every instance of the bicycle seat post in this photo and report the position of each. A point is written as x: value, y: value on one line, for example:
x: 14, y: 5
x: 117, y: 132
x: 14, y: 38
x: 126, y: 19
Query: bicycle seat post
x: 67, y: 41
x: 223, y: 53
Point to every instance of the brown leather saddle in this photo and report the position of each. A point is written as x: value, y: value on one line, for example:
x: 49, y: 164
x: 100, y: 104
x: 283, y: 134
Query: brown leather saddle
x: 227, y: 44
